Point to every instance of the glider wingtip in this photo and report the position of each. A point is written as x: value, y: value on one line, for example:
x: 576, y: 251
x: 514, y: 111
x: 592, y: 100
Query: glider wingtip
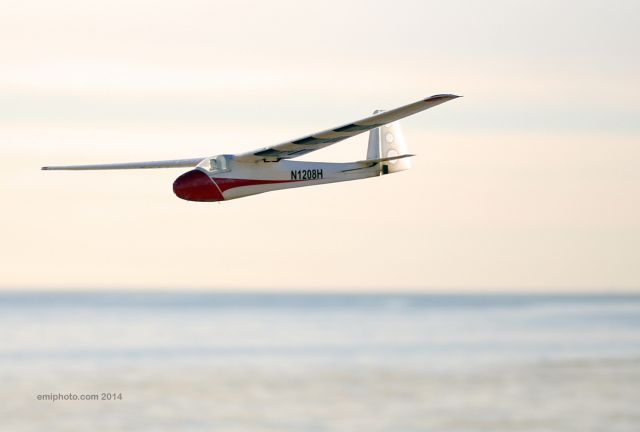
x: 446, y: 96
x: 44, y: 168
x: 443, y: 96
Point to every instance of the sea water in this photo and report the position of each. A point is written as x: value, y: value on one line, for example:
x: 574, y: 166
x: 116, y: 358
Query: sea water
x: 172, y: 361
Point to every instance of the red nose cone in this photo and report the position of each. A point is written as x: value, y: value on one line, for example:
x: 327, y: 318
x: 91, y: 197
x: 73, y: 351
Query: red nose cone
x: 196, y: 186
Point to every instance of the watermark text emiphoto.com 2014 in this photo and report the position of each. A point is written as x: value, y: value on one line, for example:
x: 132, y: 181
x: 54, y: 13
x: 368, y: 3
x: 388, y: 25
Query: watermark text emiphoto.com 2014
x: 55, y: 397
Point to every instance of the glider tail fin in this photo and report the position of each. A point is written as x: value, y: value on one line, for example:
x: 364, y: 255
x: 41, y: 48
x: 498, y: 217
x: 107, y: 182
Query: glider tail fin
x: 387, y: 142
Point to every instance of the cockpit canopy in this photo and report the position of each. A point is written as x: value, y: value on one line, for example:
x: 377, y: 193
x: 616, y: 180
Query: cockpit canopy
x: 216, y: 164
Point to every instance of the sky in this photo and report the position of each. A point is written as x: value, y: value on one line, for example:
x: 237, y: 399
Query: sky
x: 530, y: 182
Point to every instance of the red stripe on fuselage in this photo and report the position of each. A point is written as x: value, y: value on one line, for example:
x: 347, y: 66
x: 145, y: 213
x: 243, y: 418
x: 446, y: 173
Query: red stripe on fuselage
x: 196, y: 185
x: 229, y: 183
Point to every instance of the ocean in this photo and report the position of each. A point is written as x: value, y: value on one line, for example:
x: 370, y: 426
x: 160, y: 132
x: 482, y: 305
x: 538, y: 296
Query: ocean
x: 174, y: 361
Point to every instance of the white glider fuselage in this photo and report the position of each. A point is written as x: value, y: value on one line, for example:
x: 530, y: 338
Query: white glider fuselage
x: 240, y: 179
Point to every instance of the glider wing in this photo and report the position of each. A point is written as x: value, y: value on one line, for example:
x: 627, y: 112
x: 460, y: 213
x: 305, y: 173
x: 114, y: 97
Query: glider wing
x: 316, y: 141
x: 175, y: 163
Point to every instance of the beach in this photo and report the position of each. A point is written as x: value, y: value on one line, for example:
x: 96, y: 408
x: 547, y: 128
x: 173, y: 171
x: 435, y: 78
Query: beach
x: 315, y: 362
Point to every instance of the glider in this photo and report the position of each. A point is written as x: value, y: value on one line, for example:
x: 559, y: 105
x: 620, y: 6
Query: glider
x: 229, y: 176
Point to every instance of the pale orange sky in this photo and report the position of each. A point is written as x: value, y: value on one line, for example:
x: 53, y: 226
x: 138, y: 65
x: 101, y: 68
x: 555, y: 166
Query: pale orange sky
x: 531, y: 181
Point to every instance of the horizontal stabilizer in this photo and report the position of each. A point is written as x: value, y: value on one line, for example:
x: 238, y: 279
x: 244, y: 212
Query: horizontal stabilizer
x: 176, y: 163
x: 385, y: 159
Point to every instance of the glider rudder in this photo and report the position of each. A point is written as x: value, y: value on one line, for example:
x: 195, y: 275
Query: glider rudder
x: 388, y: 142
